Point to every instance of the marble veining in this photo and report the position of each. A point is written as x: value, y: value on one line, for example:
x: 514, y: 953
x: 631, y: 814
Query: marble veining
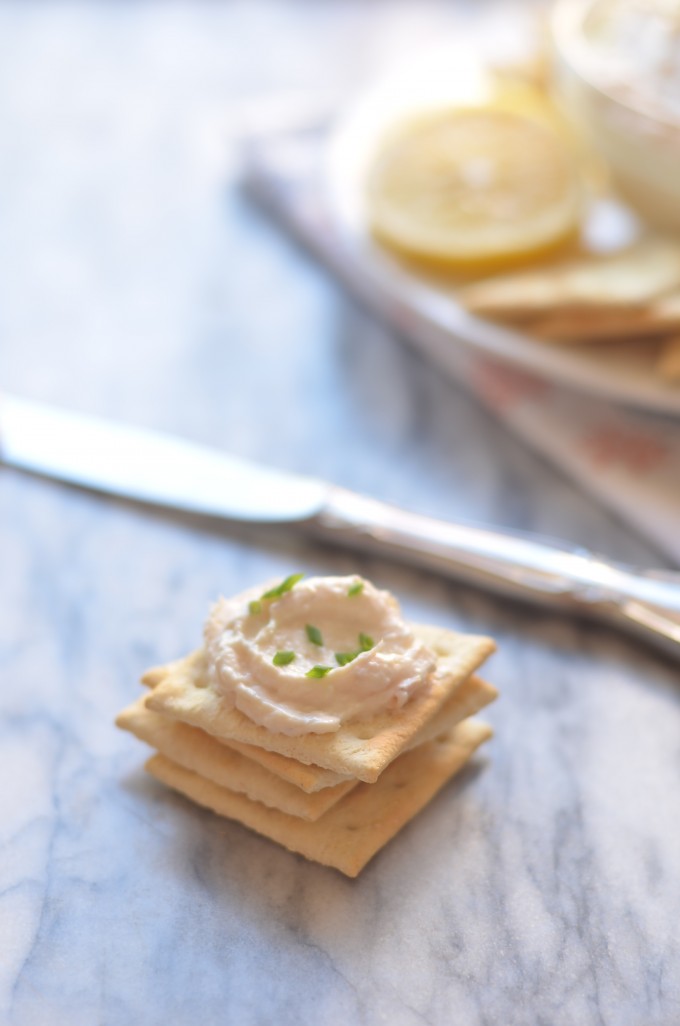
x: 541, y: 888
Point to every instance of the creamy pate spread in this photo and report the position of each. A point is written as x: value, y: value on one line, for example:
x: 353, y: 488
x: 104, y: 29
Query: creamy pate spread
x: 305, y: 656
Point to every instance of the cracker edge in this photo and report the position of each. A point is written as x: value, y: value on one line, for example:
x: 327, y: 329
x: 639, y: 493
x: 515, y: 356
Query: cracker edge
x: 195, y: 750
x: 382, y: 808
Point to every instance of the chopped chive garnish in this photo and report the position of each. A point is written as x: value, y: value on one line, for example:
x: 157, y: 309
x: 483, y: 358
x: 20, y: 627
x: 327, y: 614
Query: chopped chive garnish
x: 356, y: 589
x: 314, y: 634
x: 283, y: 587
x: 254, y: 607
x: 366, y: 642
x: 318, y: 671
x: 283, y: 658
x: 342, y: 658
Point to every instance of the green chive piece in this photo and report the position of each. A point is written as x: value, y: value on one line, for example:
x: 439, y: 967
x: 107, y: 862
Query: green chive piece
x: 318, y: 671
x: 290, y: 583
x: 283, y: 587
x: 254, y: 607
x: 356, y: 589
x: 283, y: 658
x: 342, y: 658
x: 366, y: 642
x: 314, y: 634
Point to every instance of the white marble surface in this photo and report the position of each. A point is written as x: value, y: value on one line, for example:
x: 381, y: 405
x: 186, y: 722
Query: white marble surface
x: 544, y: 886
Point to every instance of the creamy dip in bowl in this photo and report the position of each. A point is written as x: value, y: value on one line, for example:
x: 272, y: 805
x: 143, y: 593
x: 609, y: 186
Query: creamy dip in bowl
x: 617, y: 69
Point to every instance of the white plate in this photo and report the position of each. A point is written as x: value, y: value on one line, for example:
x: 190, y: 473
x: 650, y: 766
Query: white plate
x: 622, y: 373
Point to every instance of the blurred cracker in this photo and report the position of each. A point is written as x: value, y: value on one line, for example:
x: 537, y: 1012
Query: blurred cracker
x: 625, y: 281
x: 661, y: 317
x: 667, y: 364
x: 152, y: 677
x: 354, y: 829
x: 358, y: 749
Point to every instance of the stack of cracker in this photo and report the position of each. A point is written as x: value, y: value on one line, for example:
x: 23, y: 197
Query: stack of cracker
x: 334, y: 798
x: 630, y: 295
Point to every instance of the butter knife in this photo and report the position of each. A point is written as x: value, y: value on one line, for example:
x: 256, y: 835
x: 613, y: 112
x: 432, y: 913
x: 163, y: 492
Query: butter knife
x: 165, y: 471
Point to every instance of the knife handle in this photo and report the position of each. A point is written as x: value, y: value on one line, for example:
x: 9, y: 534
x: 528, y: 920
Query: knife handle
x: 546, y: 573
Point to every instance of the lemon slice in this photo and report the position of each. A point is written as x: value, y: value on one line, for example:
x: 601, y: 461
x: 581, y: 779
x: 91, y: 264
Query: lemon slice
x: 479, y: 186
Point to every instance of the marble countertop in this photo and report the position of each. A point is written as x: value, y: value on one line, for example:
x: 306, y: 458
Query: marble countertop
x: 136, y: 281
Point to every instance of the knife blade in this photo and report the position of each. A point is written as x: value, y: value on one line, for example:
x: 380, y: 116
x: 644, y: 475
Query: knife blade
x: 165, y: 471
x: 148, y: 466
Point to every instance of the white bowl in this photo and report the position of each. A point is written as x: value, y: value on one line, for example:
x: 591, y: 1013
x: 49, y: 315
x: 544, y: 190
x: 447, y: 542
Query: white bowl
x: 613, y: 102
